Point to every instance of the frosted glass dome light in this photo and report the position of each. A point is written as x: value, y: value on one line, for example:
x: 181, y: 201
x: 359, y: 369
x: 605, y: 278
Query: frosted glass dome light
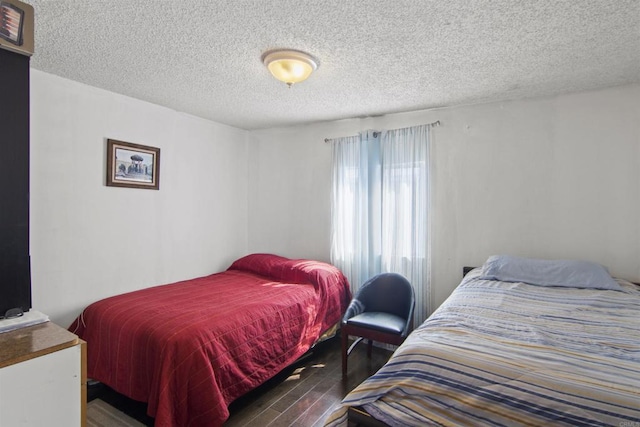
x: 289, y: 66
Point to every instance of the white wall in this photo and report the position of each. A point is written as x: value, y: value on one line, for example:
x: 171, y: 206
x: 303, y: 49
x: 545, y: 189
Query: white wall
x: 89, y: 241
x: 552, y: 177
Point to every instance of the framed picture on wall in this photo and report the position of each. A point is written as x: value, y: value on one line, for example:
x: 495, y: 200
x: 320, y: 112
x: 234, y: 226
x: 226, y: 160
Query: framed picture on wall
x: 132, y: 165
x: 16, y: 26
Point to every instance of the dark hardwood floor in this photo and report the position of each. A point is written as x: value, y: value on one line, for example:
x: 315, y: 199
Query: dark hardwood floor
x: 303, y: 394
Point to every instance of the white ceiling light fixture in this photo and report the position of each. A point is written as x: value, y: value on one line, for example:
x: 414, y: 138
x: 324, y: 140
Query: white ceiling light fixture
x: 289, y: 66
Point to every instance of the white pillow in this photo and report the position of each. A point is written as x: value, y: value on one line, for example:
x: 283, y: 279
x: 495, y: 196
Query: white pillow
x: 565, y: 273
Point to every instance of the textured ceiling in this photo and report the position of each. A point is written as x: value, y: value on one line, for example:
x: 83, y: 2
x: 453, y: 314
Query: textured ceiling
x: 376, y: 57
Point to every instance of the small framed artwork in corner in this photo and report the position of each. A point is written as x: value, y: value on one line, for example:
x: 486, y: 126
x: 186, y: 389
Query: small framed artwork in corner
x: 132, y: 165
x: 16, y: 27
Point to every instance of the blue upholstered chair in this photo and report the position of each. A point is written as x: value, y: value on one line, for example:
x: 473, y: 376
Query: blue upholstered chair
x: 381, y: 310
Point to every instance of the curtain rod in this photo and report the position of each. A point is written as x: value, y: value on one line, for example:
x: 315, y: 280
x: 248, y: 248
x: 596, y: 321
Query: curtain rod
x: 434, y: 124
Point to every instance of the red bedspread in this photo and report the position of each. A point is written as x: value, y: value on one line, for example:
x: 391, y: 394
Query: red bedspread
x: 189, y: 349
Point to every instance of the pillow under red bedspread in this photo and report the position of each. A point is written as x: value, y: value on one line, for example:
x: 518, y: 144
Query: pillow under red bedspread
x: 262, y: 264
x: 289, y: 270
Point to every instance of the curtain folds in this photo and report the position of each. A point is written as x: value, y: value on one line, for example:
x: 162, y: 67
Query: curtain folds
x: 380, y: 208
x: 355, y: 239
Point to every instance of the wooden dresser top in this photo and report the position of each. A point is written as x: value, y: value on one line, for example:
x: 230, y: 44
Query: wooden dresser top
x: 33, y: 341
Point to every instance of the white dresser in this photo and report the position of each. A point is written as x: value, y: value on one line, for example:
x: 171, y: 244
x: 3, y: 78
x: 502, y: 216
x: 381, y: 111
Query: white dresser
x: 42, y: 377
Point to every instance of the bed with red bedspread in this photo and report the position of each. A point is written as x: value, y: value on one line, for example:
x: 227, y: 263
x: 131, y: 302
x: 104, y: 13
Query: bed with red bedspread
x: 190, y: 348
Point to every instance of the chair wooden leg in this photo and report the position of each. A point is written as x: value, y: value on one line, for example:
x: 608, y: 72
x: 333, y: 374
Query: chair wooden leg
x: 369, y: 347
x: 345, y: 343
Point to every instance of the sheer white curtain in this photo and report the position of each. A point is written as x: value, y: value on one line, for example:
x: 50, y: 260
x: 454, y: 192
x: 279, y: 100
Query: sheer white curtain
x: 380, y: 203
x: 405, y: 210
x: 355, y: 208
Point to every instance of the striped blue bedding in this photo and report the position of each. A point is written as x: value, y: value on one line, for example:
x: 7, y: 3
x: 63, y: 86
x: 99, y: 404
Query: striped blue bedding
x: 505, y: 354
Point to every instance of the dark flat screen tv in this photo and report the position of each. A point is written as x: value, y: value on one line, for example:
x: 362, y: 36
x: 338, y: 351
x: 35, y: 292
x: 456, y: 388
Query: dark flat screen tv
x: 15, y: 278
x: 15, y: 286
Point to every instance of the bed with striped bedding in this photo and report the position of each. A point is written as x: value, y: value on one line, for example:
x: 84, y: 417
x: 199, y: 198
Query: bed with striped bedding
x: 504, y: 353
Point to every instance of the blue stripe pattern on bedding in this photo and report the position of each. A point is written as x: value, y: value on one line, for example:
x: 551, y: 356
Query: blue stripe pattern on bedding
x: 505, y: 354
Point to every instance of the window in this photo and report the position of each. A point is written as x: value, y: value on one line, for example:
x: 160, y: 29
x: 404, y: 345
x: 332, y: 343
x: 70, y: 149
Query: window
x: 380, y: 203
